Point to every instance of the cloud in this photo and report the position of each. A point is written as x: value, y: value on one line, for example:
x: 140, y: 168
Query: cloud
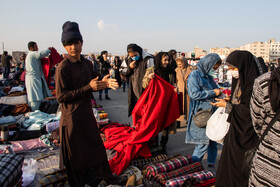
x: 103, y: 26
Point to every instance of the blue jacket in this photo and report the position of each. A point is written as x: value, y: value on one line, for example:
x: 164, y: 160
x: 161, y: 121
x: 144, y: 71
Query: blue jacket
x: 200, y: 89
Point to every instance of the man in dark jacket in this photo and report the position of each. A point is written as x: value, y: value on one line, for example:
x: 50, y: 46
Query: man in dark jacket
x: 5, y: 62
x: 134, y: 68
x: 82, y: 150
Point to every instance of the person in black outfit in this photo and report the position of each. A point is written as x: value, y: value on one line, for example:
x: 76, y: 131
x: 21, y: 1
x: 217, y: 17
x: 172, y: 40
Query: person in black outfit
x: 104, y: 70
x: 133, y: 68
x: 116, y: 65
x: 172, y: 56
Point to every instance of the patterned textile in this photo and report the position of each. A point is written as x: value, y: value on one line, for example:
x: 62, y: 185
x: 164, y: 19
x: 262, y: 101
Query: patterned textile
x: 167, y: 166
x: 190, y: 179
x: 10, y: 167
x: 142, y: 162
x: 191, y: 168
x: 265, y: 168
x: 150, y: 183
x: 54, y: 137
x: 209, y: 182
x: 48, y: 164
x: 57, y: 178
x: 132, y: 176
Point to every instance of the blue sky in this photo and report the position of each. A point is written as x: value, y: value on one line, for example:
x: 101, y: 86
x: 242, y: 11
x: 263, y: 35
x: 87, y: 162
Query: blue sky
x: 153, y: 24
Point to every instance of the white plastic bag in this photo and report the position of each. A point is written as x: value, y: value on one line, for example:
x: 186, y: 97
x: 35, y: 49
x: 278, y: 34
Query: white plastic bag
x: 29, y: 171
x: 96, y: 114
x: 217, y: 126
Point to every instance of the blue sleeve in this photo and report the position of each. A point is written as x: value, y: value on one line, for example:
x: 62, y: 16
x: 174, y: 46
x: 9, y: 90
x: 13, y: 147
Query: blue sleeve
x: 42, y: 54
x: 194, y: 89
x: 214, y: 85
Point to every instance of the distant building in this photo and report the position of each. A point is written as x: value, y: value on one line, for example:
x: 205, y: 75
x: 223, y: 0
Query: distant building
x: 274, y: 50
x: 222, y: 51
x: 259, y: 49
x: 197, y: 53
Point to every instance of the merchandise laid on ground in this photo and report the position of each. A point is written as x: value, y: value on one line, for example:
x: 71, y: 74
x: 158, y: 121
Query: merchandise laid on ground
x: 29, y: 150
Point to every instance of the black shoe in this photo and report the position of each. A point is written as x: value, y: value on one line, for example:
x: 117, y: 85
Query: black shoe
x: 100, y: 97
x: 107, y: 97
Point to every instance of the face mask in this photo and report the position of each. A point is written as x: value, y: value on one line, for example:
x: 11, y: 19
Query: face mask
x: 136, y: 58
x: 234, y: 74
x: 212, y: 72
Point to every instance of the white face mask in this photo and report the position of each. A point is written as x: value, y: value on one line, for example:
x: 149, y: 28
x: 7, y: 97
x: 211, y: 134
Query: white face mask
x: 234, y: 74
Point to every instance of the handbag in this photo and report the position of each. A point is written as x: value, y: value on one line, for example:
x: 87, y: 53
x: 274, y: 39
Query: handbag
x: 217, y: 126
x: 249, y: 155
x: 201, y: 117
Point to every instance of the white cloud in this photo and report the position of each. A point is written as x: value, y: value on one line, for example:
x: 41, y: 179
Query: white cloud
x: 103, y: 26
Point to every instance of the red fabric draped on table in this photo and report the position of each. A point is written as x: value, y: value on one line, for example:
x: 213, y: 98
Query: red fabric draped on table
x: 155, y: 110
x: 48, y: 63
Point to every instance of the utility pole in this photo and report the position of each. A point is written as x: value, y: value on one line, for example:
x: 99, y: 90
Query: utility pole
x: 3, y: 46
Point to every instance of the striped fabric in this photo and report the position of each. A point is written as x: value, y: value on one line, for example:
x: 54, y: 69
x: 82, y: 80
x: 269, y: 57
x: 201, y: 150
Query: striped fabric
x: 191, y: 168
x: 190, y: 179
x: 266, y: 163
x: 167, y: 166
x: 209, y: 182
x: 142, y: 162
x: 10, y: 169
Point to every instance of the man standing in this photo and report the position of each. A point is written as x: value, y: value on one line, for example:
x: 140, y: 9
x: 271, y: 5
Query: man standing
x: 82, y: 150
x: 35, y: 82
x: 134, y: 68
x: 5, y: 61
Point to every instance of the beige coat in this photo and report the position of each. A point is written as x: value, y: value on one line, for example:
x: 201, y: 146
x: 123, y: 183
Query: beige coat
x: 181, y: 81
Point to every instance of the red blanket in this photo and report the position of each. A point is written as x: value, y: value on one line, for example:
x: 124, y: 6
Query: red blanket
x: 156, y: 109
x: 48, y: 63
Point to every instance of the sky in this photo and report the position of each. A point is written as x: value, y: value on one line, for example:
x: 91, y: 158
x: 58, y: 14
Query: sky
x: 156, y: 25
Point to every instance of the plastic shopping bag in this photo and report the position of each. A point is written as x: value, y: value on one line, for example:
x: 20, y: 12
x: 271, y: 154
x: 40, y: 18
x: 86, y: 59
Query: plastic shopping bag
x: 217, y: 126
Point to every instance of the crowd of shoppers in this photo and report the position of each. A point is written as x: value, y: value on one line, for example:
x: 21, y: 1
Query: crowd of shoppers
x: 253, y: 103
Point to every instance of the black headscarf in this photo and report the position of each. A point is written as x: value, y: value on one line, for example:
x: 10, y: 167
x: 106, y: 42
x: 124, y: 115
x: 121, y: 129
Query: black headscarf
x: 274, y: 89
x: 248, y: 72
x: 100, y: 58
x: 264, y: 67
x: 159, y: 69
x: 135, y: 48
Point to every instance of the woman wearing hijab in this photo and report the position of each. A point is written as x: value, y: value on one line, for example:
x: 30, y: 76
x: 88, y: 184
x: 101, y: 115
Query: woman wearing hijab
x: 202, y: 90
x: 241, y: 136
x: 134, y: 68
x: 264, y: 104
x: 182, y: 73
x: 263, y: 65
x: 116, y: 65
x: 162, y: 69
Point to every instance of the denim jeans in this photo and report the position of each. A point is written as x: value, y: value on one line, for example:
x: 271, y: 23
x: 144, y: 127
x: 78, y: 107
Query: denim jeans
x: 201, y: 149
x: 106, y: 91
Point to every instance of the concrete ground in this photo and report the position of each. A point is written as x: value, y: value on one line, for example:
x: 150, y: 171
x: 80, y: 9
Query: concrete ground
x: 117, y: 109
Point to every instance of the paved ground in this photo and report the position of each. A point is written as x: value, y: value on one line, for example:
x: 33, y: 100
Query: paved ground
x: 117, y: 111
